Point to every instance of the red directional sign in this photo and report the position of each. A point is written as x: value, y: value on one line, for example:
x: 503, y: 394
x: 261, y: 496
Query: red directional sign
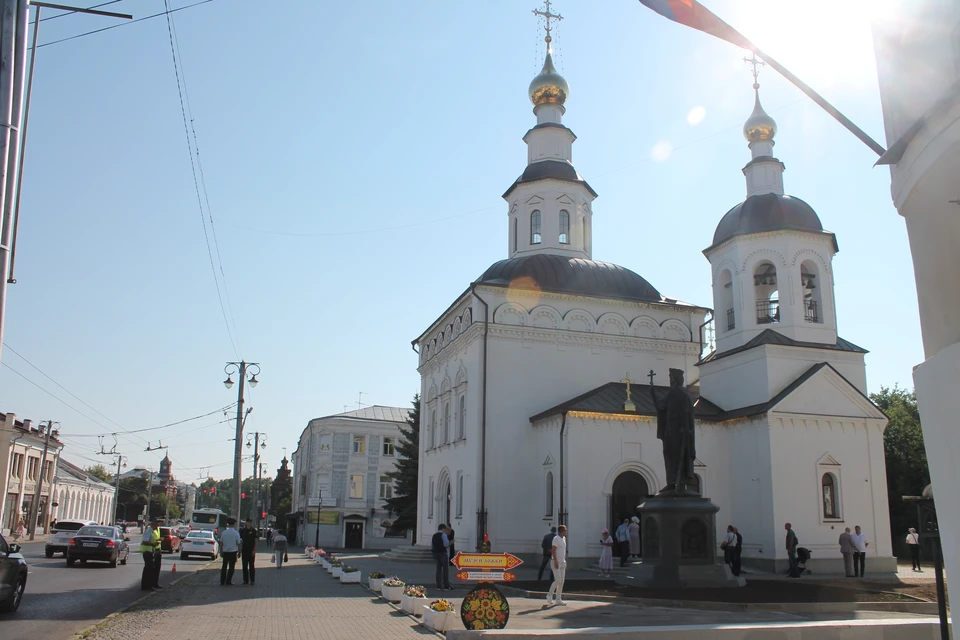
x: 487, y: 576
x: 486, y: 561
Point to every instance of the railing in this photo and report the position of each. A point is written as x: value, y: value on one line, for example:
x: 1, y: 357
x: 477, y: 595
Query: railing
x: 731, y: 321
x: 768, y: 311
x: 810, y: 313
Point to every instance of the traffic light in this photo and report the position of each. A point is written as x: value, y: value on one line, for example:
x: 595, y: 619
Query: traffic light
x: 243, y: 495
x: 263, y: 515
x: 213, y: 491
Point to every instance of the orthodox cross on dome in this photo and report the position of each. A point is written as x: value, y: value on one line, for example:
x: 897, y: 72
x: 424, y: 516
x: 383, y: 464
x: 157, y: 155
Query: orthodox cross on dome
x: 548, y: 16
x: 756, y: 63
x: 628, y: 405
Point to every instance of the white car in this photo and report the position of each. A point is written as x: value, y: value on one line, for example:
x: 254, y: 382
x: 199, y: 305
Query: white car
x: 200, y: 542
x: 62, y: 533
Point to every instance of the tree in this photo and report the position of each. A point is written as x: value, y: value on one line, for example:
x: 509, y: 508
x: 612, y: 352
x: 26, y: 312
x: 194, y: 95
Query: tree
x: 906, y: 458
x: 406, y: 475
x: 100, y: 473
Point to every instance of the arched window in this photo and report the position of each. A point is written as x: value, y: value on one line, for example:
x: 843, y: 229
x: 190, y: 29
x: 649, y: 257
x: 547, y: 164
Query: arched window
x: 765, y: 291
x: 549, y: 501
x: 462, y: 422
x: 564, y: 227
x: 725, y: 300
x: 535, y: 227
x: 459, y: 493
x: 812, y: 292
x: 828, y: 493
x: 446, y: 422
x: 433, y: 429
x: 514, y: 234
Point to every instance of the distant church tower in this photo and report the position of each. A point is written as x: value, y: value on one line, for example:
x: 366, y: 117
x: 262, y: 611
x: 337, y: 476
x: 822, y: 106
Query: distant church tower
x: 165, y: 476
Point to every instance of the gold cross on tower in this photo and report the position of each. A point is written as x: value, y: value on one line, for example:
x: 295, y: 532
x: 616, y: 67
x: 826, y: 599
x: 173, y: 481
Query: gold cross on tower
x: 628, y: 405
x: 548, y: 16
x: 757, y: 63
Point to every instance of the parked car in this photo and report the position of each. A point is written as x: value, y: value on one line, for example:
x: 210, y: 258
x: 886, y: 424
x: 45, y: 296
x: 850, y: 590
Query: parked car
x: 183, y: 530
x: 169, y: 540
x: 200, y: 542
x: 105, y: 544
x: 61, y: 534
x: 13, y: 576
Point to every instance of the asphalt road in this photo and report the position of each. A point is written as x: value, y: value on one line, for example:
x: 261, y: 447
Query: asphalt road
x: 59, y: 602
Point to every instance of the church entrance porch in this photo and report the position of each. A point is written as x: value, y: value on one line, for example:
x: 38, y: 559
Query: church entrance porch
x: 629, y: 490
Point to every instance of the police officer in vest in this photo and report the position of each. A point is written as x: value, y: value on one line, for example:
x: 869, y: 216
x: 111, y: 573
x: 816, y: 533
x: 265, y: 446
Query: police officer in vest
x: 150, y: 548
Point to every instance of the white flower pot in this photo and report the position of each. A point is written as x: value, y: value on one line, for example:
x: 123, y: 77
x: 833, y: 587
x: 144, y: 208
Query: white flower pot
x: 337, y: 572
x: 375, y: 584
x: 438, y: 620
x: 350, y: 578
x: 413, y: 606
x: 391, y: 594
x: 323, y: 563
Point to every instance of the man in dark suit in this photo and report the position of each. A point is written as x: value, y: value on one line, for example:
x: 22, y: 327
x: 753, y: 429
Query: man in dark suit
x: 547, y: 546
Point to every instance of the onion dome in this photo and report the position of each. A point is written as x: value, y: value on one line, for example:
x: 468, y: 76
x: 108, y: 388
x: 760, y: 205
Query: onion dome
x: 767, y: 212
x: 549, y: 87
x: 759, y: 126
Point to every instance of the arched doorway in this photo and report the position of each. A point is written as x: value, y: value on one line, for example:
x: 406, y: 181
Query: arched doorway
x: 629, y: 490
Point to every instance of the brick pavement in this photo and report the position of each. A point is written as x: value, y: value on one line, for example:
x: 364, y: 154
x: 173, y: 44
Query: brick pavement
x: 298, y: 602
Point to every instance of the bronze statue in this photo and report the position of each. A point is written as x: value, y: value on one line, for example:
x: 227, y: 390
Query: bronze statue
x: 675, y: 427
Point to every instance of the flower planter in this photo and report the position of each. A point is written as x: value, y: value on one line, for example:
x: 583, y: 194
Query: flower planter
x: 323, y: 563
x: 337, y: 572
x: 413, y: 606
x: 350, y: 578
x: 391, y: 594
x: 438, y: 620
x: 375, y: 584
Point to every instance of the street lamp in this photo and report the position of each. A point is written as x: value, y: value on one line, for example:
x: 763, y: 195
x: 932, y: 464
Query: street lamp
x: 256, y: 441
x: 241, y: 369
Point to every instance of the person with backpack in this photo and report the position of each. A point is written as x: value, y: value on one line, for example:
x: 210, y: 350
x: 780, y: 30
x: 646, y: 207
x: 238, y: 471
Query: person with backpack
x: 440, y: 545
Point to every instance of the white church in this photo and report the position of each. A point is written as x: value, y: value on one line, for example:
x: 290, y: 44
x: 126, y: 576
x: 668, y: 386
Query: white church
x: 527, y: 418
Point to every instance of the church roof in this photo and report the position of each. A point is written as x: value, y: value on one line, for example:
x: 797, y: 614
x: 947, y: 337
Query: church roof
x: 768, y: 212
x: 549, y: 170
x: 769, y: 336
x: 561, y: 274
x: 610, y: 398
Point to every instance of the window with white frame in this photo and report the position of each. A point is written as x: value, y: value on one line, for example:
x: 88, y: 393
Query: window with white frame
x: 459, y: 493
x: 564, y: 227
x: 446, y: 422
x: 356, y: 486
x: 388, y: 446
x: 359, y: 444
x: 430, y: 500
x: 16, y: 470
x: 535, y: 227
x: 386, y: 487
x: 828, y: 496
x: 462, y: 421
x: 33, y: 465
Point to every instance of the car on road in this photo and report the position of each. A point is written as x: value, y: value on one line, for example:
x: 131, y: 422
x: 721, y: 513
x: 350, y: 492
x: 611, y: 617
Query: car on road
x: 13, y: 576
x: 169, y: 540
x: 183, y: 530
x: 61, y: 534
x: 104, y: 544
x: 200, y: 542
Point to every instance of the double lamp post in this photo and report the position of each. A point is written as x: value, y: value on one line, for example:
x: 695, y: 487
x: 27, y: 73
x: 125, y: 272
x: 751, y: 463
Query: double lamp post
x: 241, y: 369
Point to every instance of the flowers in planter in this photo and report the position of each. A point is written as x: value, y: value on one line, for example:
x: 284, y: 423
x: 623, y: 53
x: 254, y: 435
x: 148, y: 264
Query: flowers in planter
x: 308, y: 549
x: 393, y: 581
x: 441, y: 605
x: 321, y: 552
x: 377, y: 575
x: 336, y: 563
x: 347, y: 569
x: 415, y: 591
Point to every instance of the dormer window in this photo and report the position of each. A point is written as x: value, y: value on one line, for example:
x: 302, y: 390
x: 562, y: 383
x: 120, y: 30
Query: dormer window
x: 535, y: 237
x: 564, y: 227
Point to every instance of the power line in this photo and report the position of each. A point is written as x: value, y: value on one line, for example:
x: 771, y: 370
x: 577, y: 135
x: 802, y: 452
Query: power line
x: 62, y: 401
x: 163, y: 426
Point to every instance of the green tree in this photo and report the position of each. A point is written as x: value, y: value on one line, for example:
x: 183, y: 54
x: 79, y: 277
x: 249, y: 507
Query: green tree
x: 100, y: 473
x: 905, y: 456
x: 406, y: 475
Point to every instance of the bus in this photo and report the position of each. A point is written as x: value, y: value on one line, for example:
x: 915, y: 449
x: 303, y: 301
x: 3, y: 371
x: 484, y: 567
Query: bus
x: 210, y: 519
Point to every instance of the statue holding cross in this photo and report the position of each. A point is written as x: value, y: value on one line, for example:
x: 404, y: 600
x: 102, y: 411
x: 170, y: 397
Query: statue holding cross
x: 675, y: 428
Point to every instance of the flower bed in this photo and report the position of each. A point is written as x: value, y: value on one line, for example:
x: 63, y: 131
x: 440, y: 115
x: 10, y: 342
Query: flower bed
x: 375, y: 581
x: 414, y: 597
x: 439, y: 615
x: 391, y: 589
x: 350, y: 575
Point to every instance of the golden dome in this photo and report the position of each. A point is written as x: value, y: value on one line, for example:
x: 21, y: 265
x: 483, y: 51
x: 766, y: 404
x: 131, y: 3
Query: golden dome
x: 759, y: 125
x: 549, y: 87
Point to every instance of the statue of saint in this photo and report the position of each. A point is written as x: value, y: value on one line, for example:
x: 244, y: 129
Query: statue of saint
x: 675, y: 428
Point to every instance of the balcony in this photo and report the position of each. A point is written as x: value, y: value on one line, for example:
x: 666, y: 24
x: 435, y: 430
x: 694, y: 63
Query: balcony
x: 731, y: 321
x: 810, y: 313
x: 768, y: 311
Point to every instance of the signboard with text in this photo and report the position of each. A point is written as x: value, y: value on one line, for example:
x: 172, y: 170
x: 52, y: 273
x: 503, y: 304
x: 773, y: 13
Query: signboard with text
x: 486, y: 567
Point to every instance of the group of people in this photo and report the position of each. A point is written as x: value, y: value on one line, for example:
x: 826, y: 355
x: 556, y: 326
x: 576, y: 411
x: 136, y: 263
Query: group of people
x: 853, y: 548
x: 442, y: 546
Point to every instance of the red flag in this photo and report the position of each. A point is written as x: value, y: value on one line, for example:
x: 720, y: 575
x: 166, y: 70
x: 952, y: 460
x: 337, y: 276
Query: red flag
x: 693, y: 14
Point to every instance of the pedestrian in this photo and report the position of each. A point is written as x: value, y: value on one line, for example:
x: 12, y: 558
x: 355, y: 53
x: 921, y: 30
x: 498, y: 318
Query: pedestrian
x: 269, y: 535
x: 606, y: 555
x: 149, y: 548
x: 249, y: 538
x: 846, y: 550
x: 860, y: 544
x: 440, y: 545
x: 623, y: 541
x: 792, y: 543
x: 634, y: 530
x: 451, y: 550
x: 53, y: 524
x: 729, y: 540
x: 546, y: 545
x: 737, y: 551
x: 230, y: 546
x: 20, y: 530
x: 913, y: 543
x: 559, y: 562
x: 280, y: 548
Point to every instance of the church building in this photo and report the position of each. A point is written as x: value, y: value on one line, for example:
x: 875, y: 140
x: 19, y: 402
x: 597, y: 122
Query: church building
x: 529, y: 415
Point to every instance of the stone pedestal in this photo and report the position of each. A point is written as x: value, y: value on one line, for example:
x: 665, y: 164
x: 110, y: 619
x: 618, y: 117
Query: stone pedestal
x: 679, y: 534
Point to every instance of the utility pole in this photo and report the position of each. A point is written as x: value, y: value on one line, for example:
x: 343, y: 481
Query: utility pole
x: 146, y: 517
x: 257, y: 445
x: 116, y: 492
x: 36, y: 494
x: 241, y: 369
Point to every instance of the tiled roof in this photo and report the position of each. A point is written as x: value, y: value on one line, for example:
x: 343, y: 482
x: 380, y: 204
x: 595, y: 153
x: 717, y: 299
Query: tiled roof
x: 377, y: 412
x: 769, y: 336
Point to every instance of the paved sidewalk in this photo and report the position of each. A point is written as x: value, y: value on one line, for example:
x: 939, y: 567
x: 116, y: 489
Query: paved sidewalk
x: 298, y: 602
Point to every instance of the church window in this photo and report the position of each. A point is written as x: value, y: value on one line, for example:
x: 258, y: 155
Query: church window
x: 828, y: 491
x: 446, y: 423
x: 765, y: 290
x: 535, y: 227
x: 514, y: 234
x: 812, y: 292
x: 386, y: 488
x: 359, y: 444
x: 725, y: 300
x: 430, y: 500
x: 388, y: 446
x: 432, y: 441
x: 462, y: 422
x: 548, y: 511
x: 564, y: 227
x: 356, y: 487
x: 459, y: 493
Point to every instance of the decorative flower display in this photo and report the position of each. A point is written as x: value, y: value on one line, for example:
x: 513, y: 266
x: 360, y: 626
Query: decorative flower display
x: 321, y: 552
x: 441, y: 605
x: 415, y: 591
x: 393, y: 581
x: 346, y: 569
x: 336, y: 563
x: 485, y: 608
x: 376, y: 575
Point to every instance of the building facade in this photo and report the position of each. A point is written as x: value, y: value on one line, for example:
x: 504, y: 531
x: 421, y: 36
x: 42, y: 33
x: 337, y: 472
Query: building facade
x: 21, y: 454
x: 340, y: 482
x: 81, y: 496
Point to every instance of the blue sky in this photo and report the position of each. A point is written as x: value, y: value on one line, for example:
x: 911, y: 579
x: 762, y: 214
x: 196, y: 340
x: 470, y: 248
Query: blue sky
x: 354, y: 155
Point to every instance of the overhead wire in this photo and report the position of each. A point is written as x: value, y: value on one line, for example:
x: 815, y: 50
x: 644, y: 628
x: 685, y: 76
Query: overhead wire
x: 70, y: 13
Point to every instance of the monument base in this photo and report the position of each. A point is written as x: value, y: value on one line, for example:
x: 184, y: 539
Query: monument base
x: 679, y: 533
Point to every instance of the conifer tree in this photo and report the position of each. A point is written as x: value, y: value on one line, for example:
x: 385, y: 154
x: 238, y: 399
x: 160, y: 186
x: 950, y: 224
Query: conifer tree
x: 406, y: 475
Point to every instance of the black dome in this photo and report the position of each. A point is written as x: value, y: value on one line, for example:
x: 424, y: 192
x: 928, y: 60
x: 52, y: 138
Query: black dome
x: 767, y: 212
x: 560, y: 274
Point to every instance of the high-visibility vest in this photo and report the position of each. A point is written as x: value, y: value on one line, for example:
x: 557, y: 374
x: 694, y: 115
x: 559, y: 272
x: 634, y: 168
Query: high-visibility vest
x: 155, y: 536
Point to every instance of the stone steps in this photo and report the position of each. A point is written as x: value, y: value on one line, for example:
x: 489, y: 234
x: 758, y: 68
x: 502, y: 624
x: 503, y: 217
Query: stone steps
x: 414, y: 553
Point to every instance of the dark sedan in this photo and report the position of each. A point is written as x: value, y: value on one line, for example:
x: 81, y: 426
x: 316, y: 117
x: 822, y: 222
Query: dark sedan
x: 13, y: 576
x: 104, y: 544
